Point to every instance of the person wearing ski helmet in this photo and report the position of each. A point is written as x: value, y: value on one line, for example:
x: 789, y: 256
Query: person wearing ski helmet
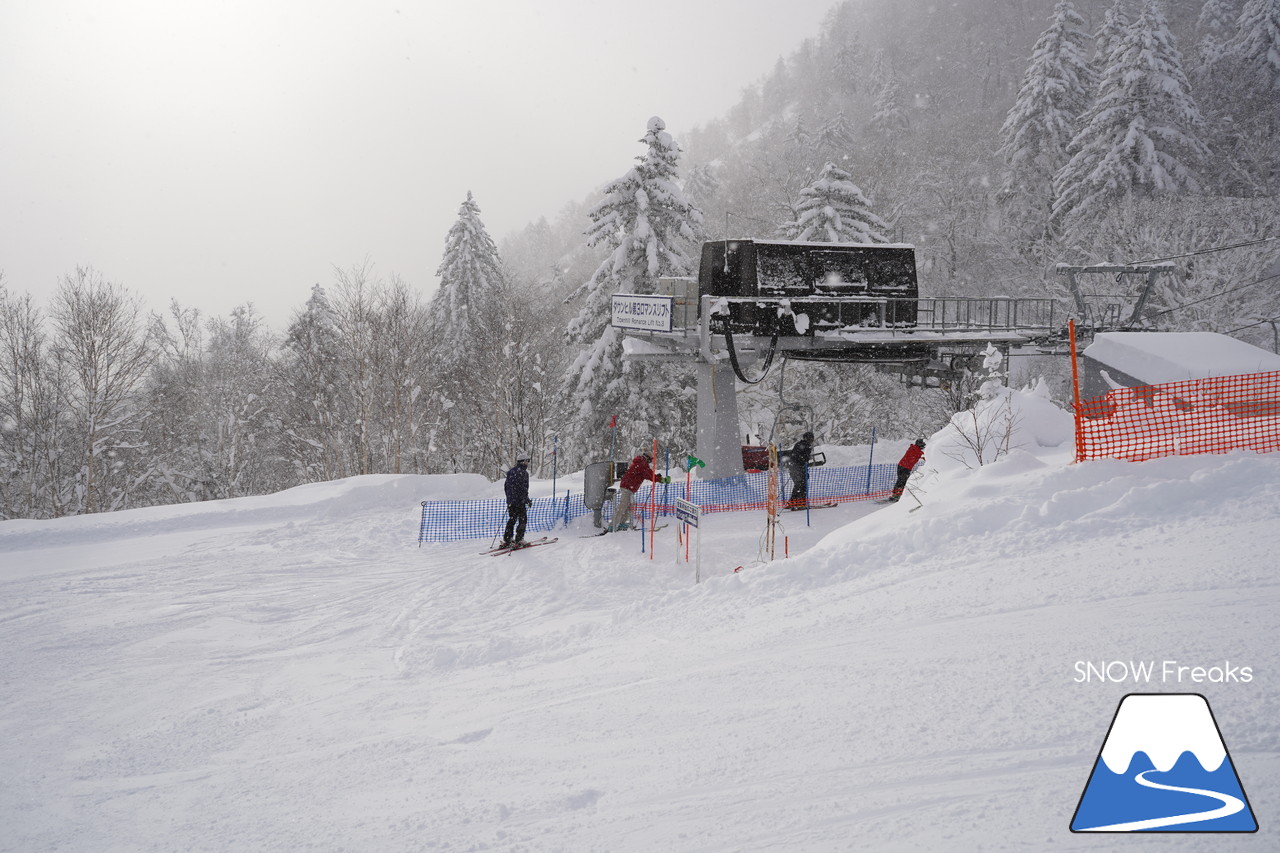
x: 638, y: 473
x: 907, y: 464
x: 518, y: 502
x: 798, y: 467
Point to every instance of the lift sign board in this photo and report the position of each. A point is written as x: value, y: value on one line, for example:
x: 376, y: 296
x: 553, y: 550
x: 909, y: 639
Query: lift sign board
x: 645, y: 313
x: 688, y: 513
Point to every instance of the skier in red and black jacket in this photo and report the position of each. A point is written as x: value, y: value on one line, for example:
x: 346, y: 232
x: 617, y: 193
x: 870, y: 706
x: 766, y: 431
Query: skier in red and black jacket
x: 915, y: 452
x: 637, y: 473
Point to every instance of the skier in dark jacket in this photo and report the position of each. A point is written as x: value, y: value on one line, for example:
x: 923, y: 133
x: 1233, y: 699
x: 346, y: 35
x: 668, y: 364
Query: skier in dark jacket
x: 517, y: 489
x: 637, y: 474
x: 798, y: 468
x: 915, y: 452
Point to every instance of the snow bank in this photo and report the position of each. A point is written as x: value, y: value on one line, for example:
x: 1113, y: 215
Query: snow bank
x: 292, y: 672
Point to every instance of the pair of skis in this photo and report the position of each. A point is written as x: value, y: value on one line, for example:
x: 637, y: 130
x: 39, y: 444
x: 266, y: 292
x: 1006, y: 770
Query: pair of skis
x: 519, y: 546
x: 828, y: 505
x: 607, y: 530
x: 909, y: 491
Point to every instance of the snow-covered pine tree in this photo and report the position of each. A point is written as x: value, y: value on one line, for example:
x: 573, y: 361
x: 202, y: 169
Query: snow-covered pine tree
x: 835, y: 136
x: 648, y: 225
x: 468, y: 304
x: 1255, y: 48
x: 846, y: 65
x: 800, y: 134
x: 1039, y: 127
x: 1109, y: 37
x: 311, y: 379
x: 888, y: 118
x: 835, y: 210
x: 1215, y: 26
x: 701, y: 185
x: 1238, y: 84
x: 469, y: 320
x: 1141, y: 134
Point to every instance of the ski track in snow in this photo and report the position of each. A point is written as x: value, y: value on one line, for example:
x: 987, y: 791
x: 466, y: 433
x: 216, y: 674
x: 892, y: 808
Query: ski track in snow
x: 299, y: 675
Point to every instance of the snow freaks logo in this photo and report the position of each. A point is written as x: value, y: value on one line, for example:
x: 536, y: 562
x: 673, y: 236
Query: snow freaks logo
x: 1163, y: 768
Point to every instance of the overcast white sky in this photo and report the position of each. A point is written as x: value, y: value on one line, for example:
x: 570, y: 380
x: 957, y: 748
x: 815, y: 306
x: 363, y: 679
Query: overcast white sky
x: 224, y: 151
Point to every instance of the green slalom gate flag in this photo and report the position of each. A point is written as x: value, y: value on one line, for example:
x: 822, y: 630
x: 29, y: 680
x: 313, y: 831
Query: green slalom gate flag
x: 695, y: 462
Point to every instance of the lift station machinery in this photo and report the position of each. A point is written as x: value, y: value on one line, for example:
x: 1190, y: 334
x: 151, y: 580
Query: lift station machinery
x: 754, y: 300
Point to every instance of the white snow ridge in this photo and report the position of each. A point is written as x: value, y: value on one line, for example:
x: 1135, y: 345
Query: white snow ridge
x: 1163, y: 726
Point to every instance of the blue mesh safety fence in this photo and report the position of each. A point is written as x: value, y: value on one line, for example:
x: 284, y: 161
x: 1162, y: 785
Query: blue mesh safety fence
x: 447, y: 521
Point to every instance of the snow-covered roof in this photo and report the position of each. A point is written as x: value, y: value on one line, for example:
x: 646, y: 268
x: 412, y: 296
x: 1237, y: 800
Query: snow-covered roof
x: 820, y: 244
x: 1159, y: 357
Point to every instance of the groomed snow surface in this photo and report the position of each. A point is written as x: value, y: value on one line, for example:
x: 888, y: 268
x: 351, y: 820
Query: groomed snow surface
x: 294, y: 673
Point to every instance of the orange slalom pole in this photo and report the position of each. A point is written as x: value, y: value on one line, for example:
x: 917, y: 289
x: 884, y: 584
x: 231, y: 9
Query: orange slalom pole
x: 1075, y: 387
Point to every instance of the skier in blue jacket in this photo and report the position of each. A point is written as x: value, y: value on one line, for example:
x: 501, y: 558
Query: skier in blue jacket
x: 517, y: 489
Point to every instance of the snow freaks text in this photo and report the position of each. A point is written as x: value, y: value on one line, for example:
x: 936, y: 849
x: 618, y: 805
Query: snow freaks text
x: 1166, y: 672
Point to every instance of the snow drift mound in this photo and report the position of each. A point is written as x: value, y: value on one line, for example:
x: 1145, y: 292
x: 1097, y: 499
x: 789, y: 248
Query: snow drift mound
x: 391, y: 496
x: 1000, y: 481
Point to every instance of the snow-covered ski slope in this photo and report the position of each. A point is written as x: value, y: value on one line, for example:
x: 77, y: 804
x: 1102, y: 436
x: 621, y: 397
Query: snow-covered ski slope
x: 293, y: 672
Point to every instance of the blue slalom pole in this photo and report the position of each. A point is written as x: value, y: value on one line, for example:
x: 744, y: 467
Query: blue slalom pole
x: 871, y: 459
x: 808, y: 498
x: 666, y: 487
x: 640, y: 510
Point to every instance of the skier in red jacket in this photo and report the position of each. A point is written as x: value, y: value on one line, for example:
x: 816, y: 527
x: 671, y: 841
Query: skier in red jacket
x: 637, y: 473
x: 915, y: 452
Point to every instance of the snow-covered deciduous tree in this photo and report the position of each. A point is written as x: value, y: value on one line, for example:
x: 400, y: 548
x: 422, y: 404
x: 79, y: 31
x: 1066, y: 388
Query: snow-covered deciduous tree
x: 207, y: 405
x: 33, y: 428
x: 1141, y: 134
x: 1227, y: 292
x: 983, y: 433
x: 648, y: 225
x: 834, y: 210
x: 1042, y: 122
x: 101, y: 339
x: 404, y: 361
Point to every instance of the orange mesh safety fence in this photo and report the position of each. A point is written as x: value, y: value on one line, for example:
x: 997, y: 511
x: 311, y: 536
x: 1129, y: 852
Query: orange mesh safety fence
x: 1182, y: 418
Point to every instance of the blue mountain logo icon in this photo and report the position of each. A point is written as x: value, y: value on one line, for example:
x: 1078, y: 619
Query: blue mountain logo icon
x: 1164, y: 768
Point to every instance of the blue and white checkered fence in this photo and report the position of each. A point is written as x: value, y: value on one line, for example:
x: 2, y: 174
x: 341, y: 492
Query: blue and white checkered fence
x: 447, y: 521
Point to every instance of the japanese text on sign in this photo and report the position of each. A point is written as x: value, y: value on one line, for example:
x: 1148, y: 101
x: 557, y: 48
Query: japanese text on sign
x: 647, y: 313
